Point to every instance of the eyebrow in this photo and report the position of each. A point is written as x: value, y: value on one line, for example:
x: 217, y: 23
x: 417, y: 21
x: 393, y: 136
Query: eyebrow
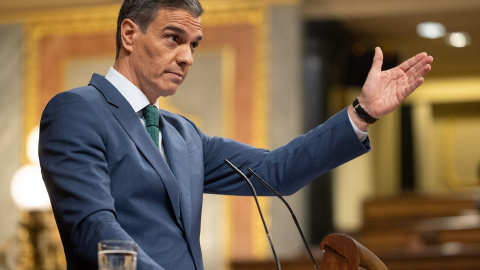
x: 179, y: 30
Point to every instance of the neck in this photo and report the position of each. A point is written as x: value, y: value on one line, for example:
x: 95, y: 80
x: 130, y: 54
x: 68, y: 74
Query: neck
x: 121, y: 65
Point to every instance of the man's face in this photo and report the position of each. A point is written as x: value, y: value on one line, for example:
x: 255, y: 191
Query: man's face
x: 162, y: 56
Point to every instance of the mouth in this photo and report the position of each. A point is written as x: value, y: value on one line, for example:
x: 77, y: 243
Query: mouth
x: 176, y: 75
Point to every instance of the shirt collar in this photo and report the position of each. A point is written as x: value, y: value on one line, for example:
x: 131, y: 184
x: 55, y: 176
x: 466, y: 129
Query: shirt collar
x: 129, y: 91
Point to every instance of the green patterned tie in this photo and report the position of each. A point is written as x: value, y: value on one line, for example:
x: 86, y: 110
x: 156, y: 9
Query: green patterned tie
x: 150, y: 113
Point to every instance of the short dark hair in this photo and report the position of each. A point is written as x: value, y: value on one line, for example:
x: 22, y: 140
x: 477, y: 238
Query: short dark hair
x: 143, y: 12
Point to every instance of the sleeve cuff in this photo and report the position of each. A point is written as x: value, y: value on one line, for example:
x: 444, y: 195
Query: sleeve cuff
x: 362, y: 136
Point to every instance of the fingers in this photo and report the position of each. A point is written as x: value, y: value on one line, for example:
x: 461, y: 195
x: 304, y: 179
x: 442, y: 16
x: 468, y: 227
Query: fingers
x: 418, y: 82
x: 416, y: 63
x: 418, y: 77
x: 415, y: 76
x: 420, y: 70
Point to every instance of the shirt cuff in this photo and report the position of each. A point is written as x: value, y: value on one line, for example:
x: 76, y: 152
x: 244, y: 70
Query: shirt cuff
x: 362, y: 135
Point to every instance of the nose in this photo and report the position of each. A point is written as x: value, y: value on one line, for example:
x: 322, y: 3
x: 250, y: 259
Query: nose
x: 185, y: 56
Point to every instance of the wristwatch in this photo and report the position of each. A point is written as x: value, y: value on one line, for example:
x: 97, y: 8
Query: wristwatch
x: 357, y: 107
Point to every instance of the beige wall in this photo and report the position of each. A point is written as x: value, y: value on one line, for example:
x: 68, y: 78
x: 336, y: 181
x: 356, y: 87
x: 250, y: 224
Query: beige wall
x: 446, y: 117
x: 10, y: 124
x: 286, y: 118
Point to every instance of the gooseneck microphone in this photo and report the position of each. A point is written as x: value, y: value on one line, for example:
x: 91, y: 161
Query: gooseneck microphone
x: 291, y: 212
x: 259, y: 210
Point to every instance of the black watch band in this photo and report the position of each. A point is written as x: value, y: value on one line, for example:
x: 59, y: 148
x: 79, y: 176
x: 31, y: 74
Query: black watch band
x: 357, y: 107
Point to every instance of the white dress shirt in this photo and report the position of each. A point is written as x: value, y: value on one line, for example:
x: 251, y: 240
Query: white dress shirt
x: 362, y: 135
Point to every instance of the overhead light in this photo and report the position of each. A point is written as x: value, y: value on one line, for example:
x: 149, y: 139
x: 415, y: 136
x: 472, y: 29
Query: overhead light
x: 458, y: 39
x: 431, y: 30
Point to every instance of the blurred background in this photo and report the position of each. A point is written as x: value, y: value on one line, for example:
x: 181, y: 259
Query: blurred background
x: 270, y: 71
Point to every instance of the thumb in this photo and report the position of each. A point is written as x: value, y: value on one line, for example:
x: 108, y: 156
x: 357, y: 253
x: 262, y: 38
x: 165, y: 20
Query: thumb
x: 377, y: 60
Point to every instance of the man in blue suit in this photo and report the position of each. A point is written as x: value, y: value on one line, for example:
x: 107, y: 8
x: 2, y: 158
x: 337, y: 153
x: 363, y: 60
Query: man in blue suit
x: 108, y: 179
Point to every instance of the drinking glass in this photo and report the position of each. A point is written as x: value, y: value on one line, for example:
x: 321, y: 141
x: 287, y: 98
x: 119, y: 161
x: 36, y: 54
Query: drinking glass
x: 117, y: 255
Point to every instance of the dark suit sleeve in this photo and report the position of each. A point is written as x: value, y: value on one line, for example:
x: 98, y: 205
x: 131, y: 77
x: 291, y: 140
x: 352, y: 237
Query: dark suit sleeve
x: 288, y: 168
x: 73, y: 161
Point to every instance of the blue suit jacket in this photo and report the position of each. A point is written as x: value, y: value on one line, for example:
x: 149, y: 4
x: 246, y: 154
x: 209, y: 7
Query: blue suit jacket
x: 107, y: 180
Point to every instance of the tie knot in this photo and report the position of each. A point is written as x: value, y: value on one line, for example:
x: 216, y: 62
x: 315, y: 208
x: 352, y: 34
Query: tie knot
x: 150, y: 113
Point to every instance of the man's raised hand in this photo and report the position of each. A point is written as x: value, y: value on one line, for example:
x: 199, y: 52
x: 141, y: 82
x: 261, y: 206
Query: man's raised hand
x: 383, y: 91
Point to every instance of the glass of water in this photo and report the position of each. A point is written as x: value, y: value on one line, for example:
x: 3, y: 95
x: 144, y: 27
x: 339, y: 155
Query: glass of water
x: 117, y: 255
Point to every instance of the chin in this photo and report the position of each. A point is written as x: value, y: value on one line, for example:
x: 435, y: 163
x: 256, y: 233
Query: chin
x: 168, y: 92
x: 167, y: 89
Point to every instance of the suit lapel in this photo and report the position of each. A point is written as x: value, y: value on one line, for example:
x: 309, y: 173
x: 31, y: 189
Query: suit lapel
x: 177, y: 154
x: 125, y: 115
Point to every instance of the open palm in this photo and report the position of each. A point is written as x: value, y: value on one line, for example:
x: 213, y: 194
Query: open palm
x: 383, y: 91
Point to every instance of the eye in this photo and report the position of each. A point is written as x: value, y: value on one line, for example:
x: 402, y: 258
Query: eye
x: 194, y: 45
x: 173, y: 38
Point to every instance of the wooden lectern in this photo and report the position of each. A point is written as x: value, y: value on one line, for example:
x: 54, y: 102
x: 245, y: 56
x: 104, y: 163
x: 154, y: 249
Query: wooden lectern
x: 341, y: 252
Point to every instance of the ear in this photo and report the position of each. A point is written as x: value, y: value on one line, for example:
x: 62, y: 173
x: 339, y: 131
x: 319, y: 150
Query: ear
x: 128, y: 30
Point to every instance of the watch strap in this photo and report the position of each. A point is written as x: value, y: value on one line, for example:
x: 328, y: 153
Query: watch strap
x: 357, y: 107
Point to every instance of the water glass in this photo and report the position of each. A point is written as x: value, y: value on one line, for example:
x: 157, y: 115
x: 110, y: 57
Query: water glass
x: 117, y: 255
